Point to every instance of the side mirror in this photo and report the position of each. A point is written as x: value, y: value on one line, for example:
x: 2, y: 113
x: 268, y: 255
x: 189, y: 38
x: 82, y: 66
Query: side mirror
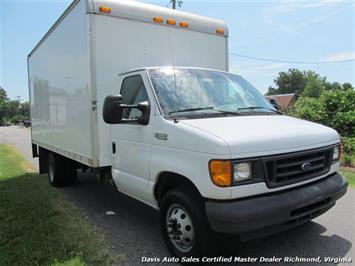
x: 112, y: 112
x: 274, y: 103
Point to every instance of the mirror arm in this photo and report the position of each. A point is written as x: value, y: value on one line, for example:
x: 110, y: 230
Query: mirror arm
x: 112, y: 111
x: 128, y: 106
x: 127, y: 121
x: 143, y: 107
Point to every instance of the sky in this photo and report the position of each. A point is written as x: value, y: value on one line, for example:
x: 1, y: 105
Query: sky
x: 284, y: 31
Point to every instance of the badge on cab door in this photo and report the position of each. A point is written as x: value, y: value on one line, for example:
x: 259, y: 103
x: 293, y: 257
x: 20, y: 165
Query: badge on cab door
x: 161, y: 136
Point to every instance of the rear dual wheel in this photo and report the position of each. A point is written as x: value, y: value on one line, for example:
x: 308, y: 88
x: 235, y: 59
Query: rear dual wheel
x: 61, y: 171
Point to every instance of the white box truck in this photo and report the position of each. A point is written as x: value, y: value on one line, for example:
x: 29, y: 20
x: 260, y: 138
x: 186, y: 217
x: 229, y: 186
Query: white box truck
x: 142, y: 93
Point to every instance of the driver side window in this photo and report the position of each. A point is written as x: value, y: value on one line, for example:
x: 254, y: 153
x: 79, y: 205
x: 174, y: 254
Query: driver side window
x: 133, y: 91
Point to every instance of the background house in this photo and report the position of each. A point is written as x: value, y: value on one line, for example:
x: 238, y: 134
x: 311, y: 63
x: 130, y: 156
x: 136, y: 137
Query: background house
x: 284, y: 101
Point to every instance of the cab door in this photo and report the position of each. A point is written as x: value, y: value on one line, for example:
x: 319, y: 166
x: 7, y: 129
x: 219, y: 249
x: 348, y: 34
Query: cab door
x: 131, y: 143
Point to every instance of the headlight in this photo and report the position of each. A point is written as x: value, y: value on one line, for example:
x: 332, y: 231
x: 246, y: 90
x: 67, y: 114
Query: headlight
x: 336, y: 153
x: 228, y: 173
x: 242, y: 172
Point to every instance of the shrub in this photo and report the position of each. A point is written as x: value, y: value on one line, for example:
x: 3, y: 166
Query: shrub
x: 335, y: 108
x: 339, y: 108
x: 310, y: 109
x: 348, y: 151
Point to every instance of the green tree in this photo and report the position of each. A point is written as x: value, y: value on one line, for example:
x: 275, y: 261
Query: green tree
x: 3, y: 106
x: 347, y: 86
x: 13, y: 108
x: 292, y: 81
x: 302, y: 83
x: 3, y: 95
x: 25, y: 110
x: 314, y: 86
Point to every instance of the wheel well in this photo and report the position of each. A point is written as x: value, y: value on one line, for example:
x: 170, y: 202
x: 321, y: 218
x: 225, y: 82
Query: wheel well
x: 43, y: 159
x: 169, y: 180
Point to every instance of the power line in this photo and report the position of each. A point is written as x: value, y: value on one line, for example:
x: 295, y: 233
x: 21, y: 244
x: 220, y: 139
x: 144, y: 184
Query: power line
x: 292, y: 62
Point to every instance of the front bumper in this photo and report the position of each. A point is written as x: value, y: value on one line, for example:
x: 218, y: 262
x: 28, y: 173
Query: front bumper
x: 270, y: 213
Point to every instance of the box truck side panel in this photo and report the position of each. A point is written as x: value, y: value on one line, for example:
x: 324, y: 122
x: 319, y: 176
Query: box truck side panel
x: 198, y: 49
x: 59, y: 83
x: 123, y: 44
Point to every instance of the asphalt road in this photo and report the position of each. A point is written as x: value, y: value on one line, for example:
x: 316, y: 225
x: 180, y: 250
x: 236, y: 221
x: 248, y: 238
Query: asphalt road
x: 134, y: 228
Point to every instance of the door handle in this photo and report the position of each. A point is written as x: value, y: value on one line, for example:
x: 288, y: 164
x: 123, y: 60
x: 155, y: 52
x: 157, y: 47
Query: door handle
x: 113, y: 147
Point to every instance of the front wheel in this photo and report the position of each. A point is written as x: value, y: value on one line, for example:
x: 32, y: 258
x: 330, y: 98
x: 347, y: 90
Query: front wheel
x: 184, y: 225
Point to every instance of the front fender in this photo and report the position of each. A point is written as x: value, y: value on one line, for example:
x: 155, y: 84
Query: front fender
x: 192, y: 165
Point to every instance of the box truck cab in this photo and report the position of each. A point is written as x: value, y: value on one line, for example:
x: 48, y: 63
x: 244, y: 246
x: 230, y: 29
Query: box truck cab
x: 143, y: 94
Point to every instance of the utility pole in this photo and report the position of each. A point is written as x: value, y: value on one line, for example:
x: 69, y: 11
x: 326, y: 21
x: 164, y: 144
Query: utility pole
x: 174, y: 2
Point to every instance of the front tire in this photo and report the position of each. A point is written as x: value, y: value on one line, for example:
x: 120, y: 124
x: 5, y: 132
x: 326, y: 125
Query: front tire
x: 184, y: 224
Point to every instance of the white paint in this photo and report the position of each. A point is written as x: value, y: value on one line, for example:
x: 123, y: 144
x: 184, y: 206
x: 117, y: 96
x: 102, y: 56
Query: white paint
x: 78, y: 64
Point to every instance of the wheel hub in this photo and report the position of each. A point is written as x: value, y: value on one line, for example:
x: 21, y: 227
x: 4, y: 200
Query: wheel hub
x: 180, y: 228
x: 175, y: 229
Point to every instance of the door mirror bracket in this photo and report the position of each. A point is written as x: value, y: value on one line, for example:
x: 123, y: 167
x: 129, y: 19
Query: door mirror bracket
x: 274, y: 103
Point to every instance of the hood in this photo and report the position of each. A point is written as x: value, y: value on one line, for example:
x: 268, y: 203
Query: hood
x: 248, y: 136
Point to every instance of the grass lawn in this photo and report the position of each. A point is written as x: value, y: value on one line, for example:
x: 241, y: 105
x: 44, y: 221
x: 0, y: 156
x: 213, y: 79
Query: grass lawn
x: 37, y: 225
x: 350, y: 176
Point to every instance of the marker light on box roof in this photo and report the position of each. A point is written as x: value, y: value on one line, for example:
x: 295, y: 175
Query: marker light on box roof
x: 105, y: 9
x: 220, y: 31
x: 171, y: 22
x: 158, y: 19
x: 184, y: 24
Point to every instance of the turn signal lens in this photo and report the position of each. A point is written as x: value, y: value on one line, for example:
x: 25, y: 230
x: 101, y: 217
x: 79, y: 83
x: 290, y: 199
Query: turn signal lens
x: 184, y: 24
x: 220, y: 31
x: 221, y: 173
x: 105, y: 9
x: 337, y: 153
x: 158, y: 19
x: 171, y: 22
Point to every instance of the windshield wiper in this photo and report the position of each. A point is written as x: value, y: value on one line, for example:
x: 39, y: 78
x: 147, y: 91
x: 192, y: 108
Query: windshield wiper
x: 204, y: 108
x: 227, y: 112
x: 191, y: 109
x: 260, y: 107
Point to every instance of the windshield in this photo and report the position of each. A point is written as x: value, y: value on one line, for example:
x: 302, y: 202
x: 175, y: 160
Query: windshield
x: 182, y: 91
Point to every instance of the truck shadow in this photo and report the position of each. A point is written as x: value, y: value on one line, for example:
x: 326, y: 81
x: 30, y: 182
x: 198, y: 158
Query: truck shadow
x: 134, y: 229
x: 304, y: 241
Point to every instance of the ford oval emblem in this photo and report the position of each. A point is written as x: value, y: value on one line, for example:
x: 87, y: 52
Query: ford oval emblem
x: 305, y: 166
